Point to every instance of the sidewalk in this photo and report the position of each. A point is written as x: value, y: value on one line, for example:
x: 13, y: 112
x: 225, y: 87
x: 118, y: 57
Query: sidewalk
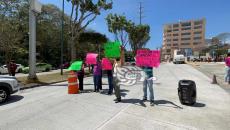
x: 211, y: 69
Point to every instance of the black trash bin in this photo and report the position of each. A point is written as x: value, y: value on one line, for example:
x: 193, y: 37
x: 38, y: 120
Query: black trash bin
x: 187, y: 92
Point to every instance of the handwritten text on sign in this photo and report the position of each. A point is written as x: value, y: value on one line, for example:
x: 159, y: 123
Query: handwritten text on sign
x: 106, y: 65
x: 148, y: 58
x: 91, y: 58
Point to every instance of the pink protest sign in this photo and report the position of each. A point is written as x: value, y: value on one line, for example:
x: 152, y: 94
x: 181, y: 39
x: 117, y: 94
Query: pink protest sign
x: 91, y: 58
x: 148, y: 58
x: 106, y: 65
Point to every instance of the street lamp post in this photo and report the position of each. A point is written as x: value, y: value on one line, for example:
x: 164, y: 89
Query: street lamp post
x: 35, y: 7
x: 62, y: 36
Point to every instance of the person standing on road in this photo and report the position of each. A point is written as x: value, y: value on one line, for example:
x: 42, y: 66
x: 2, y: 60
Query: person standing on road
x: 116, y: 81
x: 80, y: 75
x: 96, y: 75
x: 227, y: 63
x: 110, y: 81
x: 13, y: 68
x: 148, y: 83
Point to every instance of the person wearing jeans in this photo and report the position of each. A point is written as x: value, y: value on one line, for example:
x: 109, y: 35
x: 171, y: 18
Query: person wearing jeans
x: 148, y: 83
x: 97, y: 76
x: 110, y: 81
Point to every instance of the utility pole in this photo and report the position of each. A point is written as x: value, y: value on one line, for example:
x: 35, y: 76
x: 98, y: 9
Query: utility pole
x: 140, y: 12
x: 62, y: 36
x: 35, y: 7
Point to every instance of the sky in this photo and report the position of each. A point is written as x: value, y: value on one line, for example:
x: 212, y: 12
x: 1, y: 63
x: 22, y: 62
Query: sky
x: 156, y: 13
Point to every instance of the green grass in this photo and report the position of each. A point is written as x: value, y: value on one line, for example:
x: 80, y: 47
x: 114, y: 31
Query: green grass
x: 45, y: 79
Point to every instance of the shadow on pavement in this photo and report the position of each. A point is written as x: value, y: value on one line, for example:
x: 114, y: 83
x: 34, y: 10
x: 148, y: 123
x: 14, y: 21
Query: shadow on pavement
x: 158, y: 102
x: 198, y: 105
x: 134, y: 101
x: 123, y: 92
x: 12, y: 99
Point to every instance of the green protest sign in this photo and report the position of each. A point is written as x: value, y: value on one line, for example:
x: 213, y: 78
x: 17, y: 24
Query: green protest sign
x: 76, y: 66
x: 112, y: 49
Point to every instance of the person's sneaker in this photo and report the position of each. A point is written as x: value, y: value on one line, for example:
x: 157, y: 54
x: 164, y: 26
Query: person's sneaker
x: 144, y: 99
x: 118, y: 100
x: 151, y: 103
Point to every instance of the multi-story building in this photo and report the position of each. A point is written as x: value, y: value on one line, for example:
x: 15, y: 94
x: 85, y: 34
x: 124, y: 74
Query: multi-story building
x: 186, y: 36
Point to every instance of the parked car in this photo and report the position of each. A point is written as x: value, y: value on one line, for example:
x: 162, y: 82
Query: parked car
x: 4, y: 70
x: 179, y: 59
x: 40, y: 67
x: 8, y: 86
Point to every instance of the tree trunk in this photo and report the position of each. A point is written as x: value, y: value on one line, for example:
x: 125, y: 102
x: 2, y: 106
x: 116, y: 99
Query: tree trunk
x: 73, y: 49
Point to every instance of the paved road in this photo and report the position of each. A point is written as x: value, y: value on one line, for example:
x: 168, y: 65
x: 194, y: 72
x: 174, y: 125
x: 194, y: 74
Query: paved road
x: 50, y: 107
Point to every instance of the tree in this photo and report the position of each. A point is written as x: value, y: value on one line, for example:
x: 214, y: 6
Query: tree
x: 10, y: 28
x: 83, y: 12
x: 215, y: 41
x: 119, y: 26
x: 139, y: 36
x: 48, y: 35
x: 223, y: 37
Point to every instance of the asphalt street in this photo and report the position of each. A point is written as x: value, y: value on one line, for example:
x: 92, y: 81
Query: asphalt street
x: 50, y: 107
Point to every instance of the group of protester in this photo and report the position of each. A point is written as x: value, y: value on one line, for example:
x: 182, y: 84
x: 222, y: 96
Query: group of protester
x: 113, y: 81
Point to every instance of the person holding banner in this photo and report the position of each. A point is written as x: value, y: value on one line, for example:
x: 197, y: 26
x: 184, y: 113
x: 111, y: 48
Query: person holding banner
x: 97, y: 69
x: 148, y: 83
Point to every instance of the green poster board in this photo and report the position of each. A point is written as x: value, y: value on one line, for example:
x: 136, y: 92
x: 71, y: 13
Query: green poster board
x: 76, y: 66
x: 112, y: 49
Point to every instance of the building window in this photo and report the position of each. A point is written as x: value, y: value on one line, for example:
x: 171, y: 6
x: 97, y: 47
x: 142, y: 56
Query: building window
x: 186, y: 28
x: 197, y: 27
x: 185, y: 43
x: 175, y: 30
x: 186, y: 24
x: 185, y: 33
x: 197, y: 38
x: 175, y: 44
x: 168, y: 50
x: 185, y: 38
x: 198, y: 22
x: 175, y: 25
x: 168, y: 40
x: 176, y: 34
x: 175, y: 39
x: 197, y: 32
x: 196, y: 43
x: 169, y: 31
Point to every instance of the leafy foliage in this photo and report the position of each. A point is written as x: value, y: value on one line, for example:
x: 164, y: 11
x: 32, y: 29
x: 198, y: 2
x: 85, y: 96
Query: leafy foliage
x: 85, y: 12
x: 119, y: 26
x: 139, y: 36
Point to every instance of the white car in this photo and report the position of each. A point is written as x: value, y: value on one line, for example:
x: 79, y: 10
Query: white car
x: 4, y: 70
x: 8, y: 86
x: 179, y: 59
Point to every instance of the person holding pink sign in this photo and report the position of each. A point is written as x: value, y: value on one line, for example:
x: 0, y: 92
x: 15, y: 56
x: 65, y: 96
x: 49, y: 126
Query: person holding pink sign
x: 106, y: 65
x: 148, y: 83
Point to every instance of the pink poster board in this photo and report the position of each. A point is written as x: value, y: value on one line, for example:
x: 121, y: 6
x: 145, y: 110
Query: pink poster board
x: 148, y: 58
x: 106, y: 64
x: 91, y: 58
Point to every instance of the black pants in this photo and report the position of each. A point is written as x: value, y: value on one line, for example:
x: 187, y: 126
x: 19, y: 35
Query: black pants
x: 80, y: 78
x: 100, y: 83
